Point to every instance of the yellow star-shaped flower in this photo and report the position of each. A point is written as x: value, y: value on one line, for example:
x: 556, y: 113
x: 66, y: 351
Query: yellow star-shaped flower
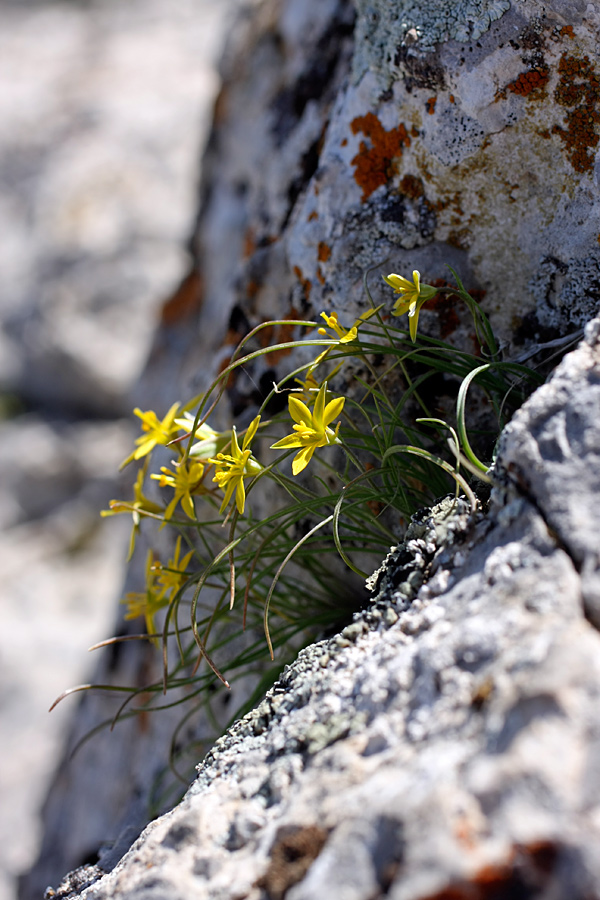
x: 141, y: 506
x: 147, y: 603
x: 174, y: 575
x: 185, y: 480
x: 312, y: 428
x: 232, y: 468
x: 156, y: 431
x: 413, y: 296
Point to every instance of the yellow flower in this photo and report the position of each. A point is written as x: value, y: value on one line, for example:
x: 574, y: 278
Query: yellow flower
x: 146, y: 603
x: 312, y: 428
x: 140, y: 506
x: 344, y: 335
x: 185, y: 481
x: 157, y: 431
x: 232, y: 468
x: 173, y: 576
x: 413, y: 296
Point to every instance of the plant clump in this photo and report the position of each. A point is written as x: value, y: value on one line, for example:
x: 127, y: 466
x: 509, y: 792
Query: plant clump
x: 363, y: 460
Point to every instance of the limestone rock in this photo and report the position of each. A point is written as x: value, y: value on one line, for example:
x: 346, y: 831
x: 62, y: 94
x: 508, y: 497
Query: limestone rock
x: 451, y: 752
x: 96, y: 162
x: 400, y: 136
x: 103, y: 109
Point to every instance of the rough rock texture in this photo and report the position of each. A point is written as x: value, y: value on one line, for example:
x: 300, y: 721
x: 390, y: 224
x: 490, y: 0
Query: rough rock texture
x: 97, y: 164
x: 103, y: 108
x: 479, y: 154
x: 405, y: 135
x: 445, y: 747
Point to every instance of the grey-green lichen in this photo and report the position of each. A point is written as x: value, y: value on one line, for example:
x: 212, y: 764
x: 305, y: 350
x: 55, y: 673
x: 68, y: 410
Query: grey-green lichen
x: 431, y: 533
x: 386, y: 29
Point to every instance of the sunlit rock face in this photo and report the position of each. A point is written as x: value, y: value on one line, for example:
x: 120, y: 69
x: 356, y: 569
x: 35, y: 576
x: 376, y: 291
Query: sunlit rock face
x: 446, y: 743
x: 412, y: 136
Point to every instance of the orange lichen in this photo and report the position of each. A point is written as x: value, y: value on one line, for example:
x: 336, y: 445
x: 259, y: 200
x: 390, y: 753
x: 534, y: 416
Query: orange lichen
x: 430, y: 104
x: 320, y: 276
x: 451, y: 98
x: 305, y: 282
x: 578, y: 89
x: 344, y: 142
x: 414, y: 131
x: 529, y: 81
x: 314, y: 215
x: 444, y: 308
x: 412, y: 186
x: 525, y: 872
x: 324, y: 252
x: 567, y: 31
x: 249, y: 242
x: 185, y: 302
x: 374, y: 165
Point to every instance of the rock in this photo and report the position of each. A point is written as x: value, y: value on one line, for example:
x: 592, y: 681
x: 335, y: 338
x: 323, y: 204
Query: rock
x: 103, y: 109
x: 450, y: 753
x: 395, y: 136
x: 96, y: 165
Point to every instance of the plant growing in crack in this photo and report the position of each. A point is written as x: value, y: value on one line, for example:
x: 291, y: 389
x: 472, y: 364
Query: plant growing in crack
x: 243, y: 583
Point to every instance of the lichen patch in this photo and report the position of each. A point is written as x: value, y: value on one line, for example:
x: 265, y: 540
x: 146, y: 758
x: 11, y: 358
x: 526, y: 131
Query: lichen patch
x: 375, y: 162
x: 578, y: 90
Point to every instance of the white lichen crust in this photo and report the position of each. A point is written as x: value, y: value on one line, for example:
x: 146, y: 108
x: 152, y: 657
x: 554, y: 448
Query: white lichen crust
x: 384, y: 27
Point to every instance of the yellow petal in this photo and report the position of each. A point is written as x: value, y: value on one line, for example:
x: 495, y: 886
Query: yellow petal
x: 252, y: 428
x: 319, y: 410
x: 299, y: 411
x: 413, y: 321
x: 398, y: 283
x: 333, y: 410
x: 187, y: 505
x: 290, y: 440
x: 302, y: 459
x: 240, y: 496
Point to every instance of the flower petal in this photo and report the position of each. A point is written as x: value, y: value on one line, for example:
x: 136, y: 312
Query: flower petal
x: 302, y: 459
x: 333, y: 410
x: 413, y: 321
x: 401, y: 306
x: 240, y: 496
x: 235, y: 447
x: 320, y: 408
x: 252, y: 428
x: 398, y: 283
x: 228, y: 494
x: 290, y: 440
x: 171, y: 507
x: 187, y: 504
x: 299, y: 411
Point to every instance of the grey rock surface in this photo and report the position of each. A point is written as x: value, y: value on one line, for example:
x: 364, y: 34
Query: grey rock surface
x: 98, y: 159
x: 328, y: 157
x: 103, y: 110
x: 447, y: 746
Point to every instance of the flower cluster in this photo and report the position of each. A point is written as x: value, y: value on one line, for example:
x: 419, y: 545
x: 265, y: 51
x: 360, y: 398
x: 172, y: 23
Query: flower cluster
x: 215, y: 467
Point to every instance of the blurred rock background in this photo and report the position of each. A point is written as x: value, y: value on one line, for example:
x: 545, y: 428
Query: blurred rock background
x: 104, y: 109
